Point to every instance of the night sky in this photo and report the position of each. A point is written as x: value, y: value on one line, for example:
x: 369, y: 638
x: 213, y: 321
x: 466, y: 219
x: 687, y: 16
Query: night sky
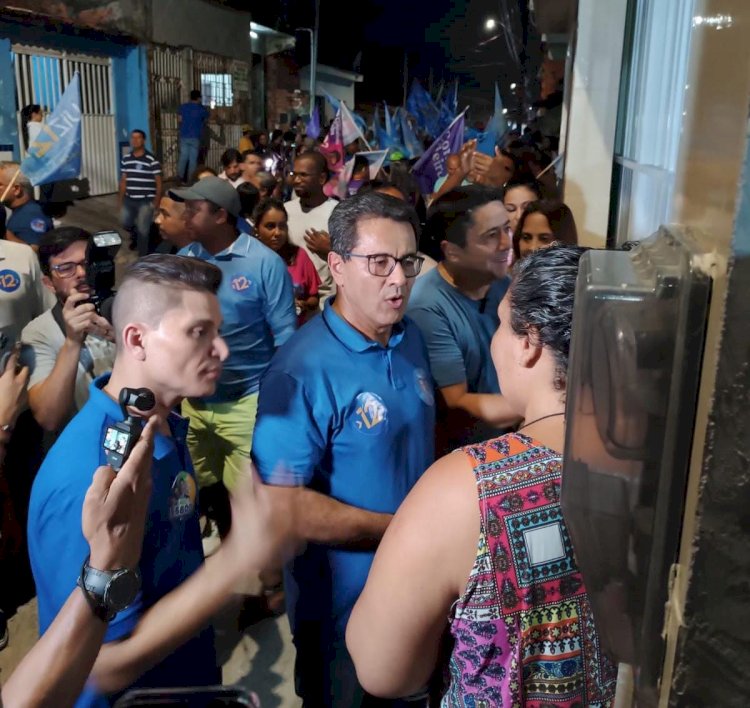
x: 445, y: 36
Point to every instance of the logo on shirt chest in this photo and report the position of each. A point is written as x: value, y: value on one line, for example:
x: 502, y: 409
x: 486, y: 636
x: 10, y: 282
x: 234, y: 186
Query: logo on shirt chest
x: 10, y: 281
x: 370, y: 415
x: 182, y: 497
x: 38, y: 226
x: 240, y: 283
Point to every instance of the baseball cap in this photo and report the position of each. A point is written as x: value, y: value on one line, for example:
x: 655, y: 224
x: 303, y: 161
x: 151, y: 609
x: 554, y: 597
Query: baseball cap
x: 246, y: 127
x: 211, y: 189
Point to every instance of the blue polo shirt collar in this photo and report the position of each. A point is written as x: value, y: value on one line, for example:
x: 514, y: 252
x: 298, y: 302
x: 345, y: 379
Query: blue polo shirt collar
x: 239, y: 247
x: 353, y: 339
x: 163, y: 445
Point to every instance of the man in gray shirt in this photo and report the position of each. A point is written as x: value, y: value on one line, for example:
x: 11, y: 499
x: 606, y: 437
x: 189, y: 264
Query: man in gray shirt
x: 72, y: 343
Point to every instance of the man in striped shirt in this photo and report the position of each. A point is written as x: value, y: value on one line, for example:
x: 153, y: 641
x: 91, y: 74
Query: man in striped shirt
x: 140, y: 192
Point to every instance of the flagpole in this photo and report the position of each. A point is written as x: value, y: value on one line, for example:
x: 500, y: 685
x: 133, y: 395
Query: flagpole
x: 10, y: 185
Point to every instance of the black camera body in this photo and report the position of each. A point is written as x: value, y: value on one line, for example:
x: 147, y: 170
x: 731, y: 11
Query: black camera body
x: 120, y: 438
x: 100, y: 269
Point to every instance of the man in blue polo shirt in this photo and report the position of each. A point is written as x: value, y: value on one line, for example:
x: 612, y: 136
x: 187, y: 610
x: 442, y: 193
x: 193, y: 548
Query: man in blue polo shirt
x: 345, y: 426
x: 28, y: 222
x: 455, y: 306
x: 166, y: 317
x: 257, y: 304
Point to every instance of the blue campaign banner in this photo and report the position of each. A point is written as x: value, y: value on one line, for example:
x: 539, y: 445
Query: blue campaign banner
x: 56, y: 153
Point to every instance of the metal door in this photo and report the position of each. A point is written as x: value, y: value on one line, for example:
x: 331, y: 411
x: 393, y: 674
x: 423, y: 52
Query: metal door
x: 41, y: 77
x: 168, y: 69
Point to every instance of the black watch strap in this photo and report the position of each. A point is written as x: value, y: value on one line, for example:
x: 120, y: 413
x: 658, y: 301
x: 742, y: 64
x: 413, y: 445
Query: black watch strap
x: 94, y: 594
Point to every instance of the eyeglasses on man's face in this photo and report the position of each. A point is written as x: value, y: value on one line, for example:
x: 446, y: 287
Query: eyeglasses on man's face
x: 383, y: 264
x: 69, y: 268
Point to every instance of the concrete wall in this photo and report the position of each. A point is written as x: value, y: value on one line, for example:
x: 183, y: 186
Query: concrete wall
x: 593, y: 116
x: 202, y: 26
x: 336, y: 87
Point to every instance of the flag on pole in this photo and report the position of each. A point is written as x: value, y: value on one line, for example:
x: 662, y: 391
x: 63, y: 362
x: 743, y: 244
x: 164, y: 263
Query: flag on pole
x: 411, y: 142
x: 433, y: 163
x: 55, y: 154
x: 333, y: 151
x: 375, y: 159
x: 496, y: 128
x: 349, y: 128
x: 420, y: 104
x: 387, y: 140
x: 313, y: 125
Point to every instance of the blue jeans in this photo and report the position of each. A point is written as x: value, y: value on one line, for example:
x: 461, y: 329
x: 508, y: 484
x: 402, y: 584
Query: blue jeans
x: 188, y: 159
x: 136, y: 218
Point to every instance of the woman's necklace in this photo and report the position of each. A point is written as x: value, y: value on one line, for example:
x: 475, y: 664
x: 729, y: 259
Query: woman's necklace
x: 551, y: 415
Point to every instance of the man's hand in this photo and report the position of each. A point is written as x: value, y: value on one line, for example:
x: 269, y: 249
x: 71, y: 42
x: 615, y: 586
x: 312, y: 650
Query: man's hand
x: 264, y: 534
x: 466, y: 156
x: 13, y: 394
x: 115, y: 507
x: 81, y: 319
x: 319, y: 242
x: 491, y: 171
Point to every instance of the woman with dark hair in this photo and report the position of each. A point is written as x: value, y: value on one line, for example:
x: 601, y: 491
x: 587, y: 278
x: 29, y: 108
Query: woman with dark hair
x: 271, y: 227
x: 480, y: 547
x: 518, y: 193
x: 543, y: 223
x: 31, y: 123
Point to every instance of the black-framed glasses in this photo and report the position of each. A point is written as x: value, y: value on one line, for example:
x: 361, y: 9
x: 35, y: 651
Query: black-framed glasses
x: 68, y: 269
x: 299, y: 173
x: 383, y: 264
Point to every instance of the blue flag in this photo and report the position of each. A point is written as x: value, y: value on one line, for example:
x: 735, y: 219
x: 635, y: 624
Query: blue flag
x: 56, y: 153
x: 388, y: 138
x: 496, y: 128
x: 335, y: 103
x: 420, y: 104
x: 313, y: 125
x: 413, y: 145
x: 433, y: 163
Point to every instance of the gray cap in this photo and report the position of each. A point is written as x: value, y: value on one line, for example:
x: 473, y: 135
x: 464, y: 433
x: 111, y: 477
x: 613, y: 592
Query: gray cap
x: 211, y: 189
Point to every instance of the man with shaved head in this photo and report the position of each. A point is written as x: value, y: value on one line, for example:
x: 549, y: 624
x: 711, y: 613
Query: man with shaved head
x: 166, y: 317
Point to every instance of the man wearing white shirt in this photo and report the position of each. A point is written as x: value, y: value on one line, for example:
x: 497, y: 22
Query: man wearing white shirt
x: 231, y: 161
x: 308, y: 216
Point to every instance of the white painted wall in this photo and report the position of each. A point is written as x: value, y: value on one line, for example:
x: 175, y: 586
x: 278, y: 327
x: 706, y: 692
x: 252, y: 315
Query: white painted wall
x: 593, y: 116
x: 336, y: 89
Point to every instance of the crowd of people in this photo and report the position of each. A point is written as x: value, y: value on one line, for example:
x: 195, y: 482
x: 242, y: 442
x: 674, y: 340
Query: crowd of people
x: 344, y: 347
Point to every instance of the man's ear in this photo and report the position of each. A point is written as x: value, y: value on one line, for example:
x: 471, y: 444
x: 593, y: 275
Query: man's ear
x: 451, y: 252
x: 133, y: 340
x: 48, y: 283
x: 336, y: 265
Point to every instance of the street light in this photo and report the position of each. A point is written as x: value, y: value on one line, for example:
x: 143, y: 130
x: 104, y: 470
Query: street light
x: 513, y: 87
x: 490, y: 24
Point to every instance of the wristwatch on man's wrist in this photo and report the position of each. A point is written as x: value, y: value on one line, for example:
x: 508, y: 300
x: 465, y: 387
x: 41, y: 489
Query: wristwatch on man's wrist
x: 109, y: 591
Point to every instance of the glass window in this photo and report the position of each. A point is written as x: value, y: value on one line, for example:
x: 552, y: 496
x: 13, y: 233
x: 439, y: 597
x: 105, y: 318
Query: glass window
x: 217, y: 90
x: 650, y: 116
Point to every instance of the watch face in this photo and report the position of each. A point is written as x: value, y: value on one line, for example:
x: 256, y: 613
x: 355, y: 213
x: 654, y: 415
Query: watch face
x: 122, y: 590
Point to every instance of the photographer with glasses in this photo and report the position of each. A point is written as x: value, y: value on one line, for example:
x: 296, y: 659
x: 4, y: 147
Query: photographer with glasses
x: 72, y: 343
x: 351, y: 397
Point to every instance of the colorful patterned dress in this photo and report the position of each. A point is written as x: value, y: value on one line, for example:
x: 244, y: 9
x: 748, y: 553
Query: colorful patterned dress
x: 524, y: 630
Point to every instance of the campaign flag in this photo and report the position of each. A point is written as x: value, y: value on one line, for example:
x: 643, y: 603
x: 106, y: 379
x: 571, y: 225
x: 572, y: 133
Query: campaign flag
x: 433, y: 163
x: 411, y: 142
x: 420, y: 104
x: 333, y: 151
x: 452, y: 100
x: 496, y: 128
x: 375, y: 159
x: 349, y: 128
x: 55, y: 154
x: 313, y: 125
x: 335, y: 103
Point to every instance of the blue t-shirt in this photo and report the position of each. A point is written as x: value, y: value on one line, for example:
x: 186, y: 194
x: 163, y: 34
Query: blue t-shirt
x: 193, y: 115
x: 257, y: 304
x: 351, y: 419
x: 172, y: 549
x: 29, y: 223
x: 458, y: 331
